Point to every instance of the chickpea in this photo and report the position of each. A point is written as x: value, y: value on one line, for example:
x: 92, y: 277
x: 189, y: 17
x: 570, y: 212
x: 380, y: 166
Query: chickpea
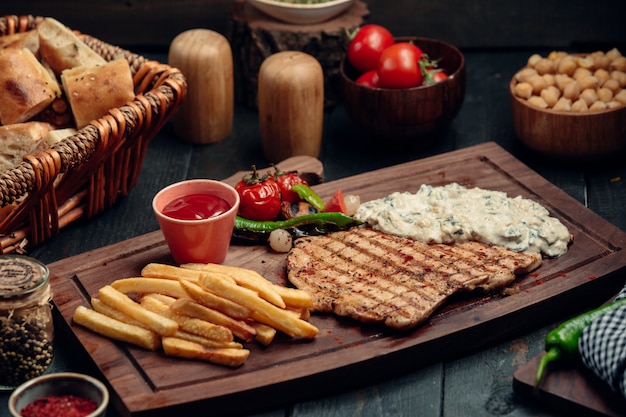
x: 572, y: 91
x: 602, y: 74
x: 538, y: 83
x: 523, y: 90
x: 550, y: 95
x: 619, y: 64
x: 598, y: 106
x: 601, y: 62
x: 612, y: 84
x: 561, y: 80
x: 567, y: 65
x: 550, y: 81
x: 533, y: 59
x: 613, y: 104
x: 524, y: 74
x: 585, y: 62
x: 604, y: 94
x: 564, y: 104
x: 580, y: 73
x: 544, y: 66
x: 580, y: 105
x: 555, y: 55
x: 589, y: 82
x: 620, y: 76
x: 589, y: 96
x: 537, y: 101
x: 621, y: 97
x: 613, y: 54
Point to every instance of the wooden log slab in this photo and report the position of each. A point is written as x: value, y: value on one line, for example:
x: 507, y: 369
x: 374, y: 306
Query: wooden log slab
x: 254, y: 36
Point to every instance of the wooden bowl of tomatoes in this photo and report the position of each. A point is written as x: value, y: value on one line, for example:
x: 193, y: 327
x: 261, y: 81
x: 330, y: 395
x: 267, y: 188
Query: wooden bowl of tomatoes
x: 413, y: 94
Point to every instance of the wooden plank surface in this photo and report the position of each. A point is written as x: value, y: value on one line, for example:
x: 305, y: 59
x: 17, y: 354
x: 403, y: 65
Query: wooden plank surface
x: 488, y: 23
x: 569, y: 387
x: 347, y: 354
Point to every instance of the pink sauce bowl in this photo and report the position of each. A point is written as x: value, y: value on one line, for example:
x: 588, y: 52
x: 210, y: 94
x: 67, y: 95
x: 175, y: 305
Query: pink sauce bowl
x: 201, y: 241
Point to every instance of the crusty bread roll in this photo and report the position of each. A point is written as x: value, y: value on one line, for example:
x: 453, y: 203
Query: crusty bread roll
x: 28, y: 87
x: 28, y: 39
x: 62, y: 49
x: 20, y: 139
x: 57, y: 135
x: 93, y: 91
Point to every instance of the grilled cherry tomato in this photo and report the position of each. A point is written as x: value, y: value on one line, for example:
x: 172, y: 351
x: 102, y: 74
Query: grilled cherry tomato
x: 399, y: 66
x: 369, y: 79
x: 367, y: 45
x: 260, y: 197
x: 285, y: 181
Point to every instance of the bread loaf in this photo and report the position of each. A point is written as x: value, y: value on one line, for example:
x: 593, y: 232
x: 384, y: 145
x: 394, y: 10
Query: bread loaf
x: 29, y: 40
x: 93, y: 90
x: 20, y: 139
x: 62, y: 49
x: 27, y: 86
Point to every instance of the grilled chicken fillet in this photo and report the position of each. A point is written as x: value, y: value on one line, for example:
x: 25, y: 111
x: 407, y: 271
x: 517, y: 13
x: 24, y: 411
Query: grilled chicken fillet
x: 378, y: 278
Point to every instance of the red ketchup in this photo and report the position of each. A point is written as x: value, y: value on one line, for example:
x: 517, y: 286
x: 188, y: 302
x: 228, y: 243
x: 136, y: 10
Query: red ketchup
x: 196, y: 207
x: 59, y: 406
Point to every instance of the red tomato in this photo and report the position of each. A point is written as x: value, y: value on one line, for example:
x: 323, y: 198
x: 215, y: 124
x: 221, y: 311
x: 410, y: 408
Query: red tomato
x: 285, y: 181
x: 336, y: 203
x: 369, y: 79
x: 367, y: 45
x: 260, y: 197
x: 439, y: 76
x: 399, y: 66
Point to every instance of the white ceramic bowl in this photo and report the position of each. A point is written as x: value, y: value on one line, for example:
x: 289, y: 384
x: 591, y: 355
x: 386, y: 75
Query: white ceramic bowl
x: 302, y: 14
x: 62, y: 383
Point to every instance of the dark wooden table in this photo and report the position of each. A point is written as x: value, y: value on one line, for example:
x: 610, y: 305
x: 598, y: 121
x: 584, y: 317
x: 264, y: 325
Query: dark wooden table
x: 477, y: 384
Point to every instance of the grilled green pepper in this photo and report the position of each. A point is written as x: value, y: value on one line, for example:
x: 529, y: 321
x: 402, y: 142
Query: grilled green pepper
x: 309, y: 195
x: 562, y: 342
x: 307, y: 225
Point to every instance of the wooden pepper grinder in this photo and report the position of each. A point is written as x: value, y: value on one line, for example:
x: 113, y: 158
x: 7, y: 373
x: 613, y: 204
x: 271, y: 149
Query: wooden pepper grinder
x: 291, y: 105
x: 205, y: 58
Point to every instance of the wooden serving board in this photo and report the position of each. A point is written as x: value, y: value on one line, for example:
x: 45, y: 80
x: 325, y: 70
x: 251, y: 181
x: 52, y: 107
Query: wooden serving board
x: 570, y: 388
x: 346, y: 354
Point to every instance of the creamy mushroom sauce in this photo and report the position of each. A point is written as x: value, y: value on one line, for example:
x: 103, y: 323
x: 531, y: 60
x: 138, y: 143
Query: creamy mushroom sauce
x: 453, y: 213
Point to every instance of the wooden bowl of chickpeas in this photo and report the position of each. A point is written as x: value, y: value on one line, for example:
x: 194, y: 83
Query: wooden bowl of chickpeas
x: 571, y: 105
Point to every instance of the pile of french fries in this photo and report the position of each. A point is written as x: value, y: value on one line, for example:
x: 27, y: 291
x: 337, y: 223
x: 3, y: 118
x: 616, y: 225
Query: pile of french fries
x: 198, y: 311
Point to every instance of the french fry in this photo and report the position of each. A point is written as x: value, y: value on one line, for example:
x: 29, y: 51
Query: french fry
x: 294, y: 297
x: 173, y: 346
x: 139, y: 285
x: 263, y: 311
x: 115, y: 329
x: 107, y: 310
x: 264, y: 333
x: 246, y: 278
x: 212, y: 343
x: 189, y: 324
x: 239, y: 328
x: 120, y: 301
x: 208, y: 299
x: 156, y: 270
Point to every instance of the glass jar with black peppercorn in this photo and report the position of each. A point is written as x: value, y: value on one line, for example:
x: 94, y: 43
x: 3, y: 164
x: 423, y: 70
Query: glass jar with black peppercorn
x: 26, y: 326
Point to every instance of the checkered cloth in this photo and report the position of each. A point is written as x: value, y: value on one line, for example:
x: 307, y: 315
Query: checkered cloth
x: 602, y: 347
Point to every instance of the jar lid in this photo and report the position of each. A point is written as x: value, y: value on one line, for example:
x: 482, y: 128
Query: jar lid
x: 21, y: 275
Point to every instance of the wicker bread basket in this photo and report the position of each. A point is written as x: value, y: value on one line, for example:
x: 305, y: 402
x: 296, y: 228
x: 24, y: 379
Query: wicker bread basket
x: 86, y: 173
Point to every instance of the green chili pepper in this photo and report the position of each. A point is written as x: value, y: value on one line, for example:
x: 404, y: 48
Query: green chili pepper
x: 307, y: 194
x: 562, y: 342
x: 307, y: 225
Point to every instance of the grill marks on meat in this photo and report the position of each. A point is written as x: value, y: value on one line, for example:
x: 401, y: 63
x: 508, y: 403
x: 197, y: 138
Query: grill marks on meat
x: 378, y: 278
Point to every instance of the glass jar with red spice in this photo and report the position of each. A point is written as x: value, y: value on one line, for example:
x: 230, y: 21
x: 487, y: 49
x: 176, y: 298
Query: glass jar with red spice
x: 26, y: 325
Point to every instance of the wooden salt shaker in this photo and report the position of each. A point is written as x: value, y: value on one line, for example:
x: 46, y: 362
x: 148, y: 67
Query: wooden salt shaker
x: 291, y: 105
x: 205, y: 58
